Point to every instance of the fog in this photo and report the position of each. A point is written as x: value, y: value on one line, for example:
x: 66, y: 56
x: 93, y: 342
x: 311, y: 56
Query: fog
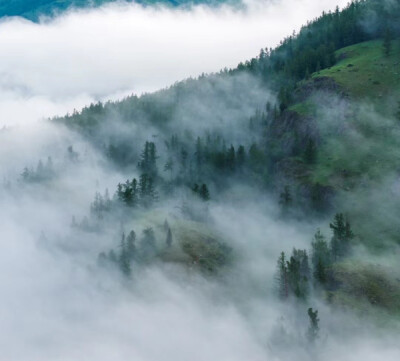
x: 56, y: 302
x: 64, y: 63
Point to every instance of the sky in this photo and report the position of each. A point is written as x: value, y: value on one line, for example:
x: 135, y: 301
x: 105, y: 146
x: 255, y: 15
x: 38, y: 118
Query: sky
x: 58, y: 65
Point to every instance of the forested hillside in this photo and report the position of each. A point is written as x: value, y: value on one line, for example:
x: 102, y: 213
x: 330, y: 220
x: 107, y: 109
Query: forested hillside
x: 265, y: 198
x: 312, y: 123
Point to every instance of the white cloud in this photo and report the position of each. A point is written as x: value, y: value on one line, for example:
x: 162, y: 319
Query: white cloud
x: 118, y: 49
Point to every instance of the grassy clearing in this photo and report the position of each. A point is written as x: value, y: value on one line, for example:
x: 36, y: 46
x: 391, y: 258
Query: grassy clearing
x: 363, y: 285
x: 364, y: 71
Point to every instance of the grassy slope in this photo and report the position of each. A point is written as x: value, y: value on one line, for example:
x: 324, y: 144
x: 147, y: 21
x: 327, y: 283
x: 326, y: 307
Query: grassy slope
x: 194, y: 244
x: 365, y: 72
x: 355, y: 161
x: 366, y: 149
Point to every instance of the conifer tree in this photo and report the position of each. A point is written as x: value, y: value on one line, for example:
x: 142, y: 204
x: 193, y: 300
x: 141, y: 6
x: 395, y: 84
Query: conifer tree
x: 130, y: 245
x: 241, y: 156
x: 231, y: 158
x: 313, y: 329
x: 123, y: 259
x: 148, y: 159
x: 342, y: 236
x: 168, y: 241
x: 282, y: 277
x: 320, y: 258
x: 148, y: 244
x: 285, y: 199
x: 204, y: 193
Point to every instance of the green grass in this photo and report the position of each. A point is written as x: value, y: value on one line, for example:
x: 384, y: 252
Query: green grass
x: 305, y: 109
x: 369, y: 289
x: 365, y: 71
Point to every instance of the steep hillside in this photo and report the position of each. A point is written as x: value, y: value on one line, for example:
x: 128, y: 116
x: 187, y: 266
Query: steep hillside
x: 312, y: 124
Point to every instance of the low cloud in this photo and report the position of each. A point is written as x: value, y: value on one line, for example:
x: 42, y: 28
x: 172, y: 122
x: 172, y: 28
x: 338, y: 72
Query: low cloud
x: 87, y: 55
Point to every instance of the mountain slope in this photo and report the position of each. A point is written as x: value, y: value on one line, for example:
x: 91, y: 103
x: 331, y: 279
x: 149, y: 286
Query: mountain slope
x: 313, y: 124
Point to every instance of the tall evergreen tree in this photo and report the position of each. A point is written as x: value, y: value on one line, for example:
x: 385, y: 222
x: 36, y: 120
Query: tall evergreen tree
x: 123, y: 260
x: 313, y: 329
x: 168, y: 241
x: 320, y: 258
x: 204, y: 193
x: 282, y: 277
x: 342, y: 236
x: 285, y: 199
x: 130, y: 245
x: 148, y: 244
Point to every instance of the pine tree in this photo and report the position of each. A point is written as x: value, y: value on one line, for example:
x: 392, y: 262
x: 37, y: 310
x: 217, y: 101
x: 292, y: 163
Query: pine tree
x: 342, y: 236
x: 241, y: 156
x: 130, y: 245
x: 168, y: 241
x: 298, y: 273
x: 148, y: 159
x: 148, y: 244
x: 123, y: 260
x: 320, y: 258
x: 231, y: 159
x: 204, y: 193
x: 285, y: 199
x: 313, y: 329
x: 282, y: 277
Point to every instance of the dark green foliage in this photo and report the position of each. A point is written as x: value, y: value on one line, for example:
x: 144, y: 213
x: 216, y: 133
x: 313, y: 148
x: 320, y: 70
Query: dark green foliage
x: 231, y: 159
x: 148, y: 194
x: 148, y: 244
x: 240, y: 157
x: 282, y: 282
x: 256, y: 159
x: 148, y: 160
x: 299, y: 273
x: 131, y: 245
x: 342, y: 236
x: 128, y: 193
x: 124, y: 257
x: 320, y: 258
x: 204, y: 193
x: 313, y: 329
x: 310, y: 153
x: 285, y: 199
x: 169, y: 239
x: 313, y: 48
